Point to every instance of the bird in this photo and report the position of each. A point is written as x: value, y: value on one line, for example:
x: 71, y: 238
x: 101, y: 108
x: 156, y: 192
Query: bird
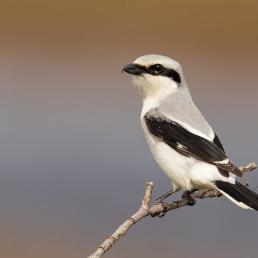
x: 180, y: 139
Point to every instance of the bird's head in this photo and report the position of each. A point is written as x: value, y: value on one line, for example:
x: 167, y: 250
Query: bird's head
x: 155, y: 75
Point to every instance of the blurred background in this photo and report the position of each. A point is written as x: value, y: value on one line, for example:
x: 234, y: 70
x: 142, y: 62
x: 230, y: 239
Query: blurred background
x: 74, y: 161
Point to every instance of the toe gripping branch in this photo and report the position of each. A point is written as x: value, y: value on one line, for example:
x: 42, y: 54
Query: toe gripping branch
x: 187, y: 195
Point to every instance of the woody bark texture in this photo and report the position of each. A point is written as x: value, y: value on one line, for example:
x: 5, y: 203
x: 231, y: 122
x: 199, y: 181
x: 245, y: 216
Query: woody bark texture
x: 156, y: 209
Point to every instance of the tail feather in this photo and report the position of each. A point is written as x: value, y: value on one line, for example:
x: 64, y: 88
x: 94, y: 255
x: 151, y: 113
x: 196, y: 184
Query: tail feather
x: 239, y: 194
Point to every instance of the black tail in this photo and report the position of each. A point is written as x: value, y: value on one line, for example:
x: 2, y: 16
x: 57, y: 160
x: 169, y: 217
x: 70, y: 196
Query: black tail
x: 239, y: 194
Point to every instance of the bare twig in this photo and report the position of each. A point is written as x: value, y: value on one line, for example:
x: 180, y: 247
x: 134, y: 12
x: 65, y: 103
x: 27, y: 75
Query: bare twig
x: 122, y: 229
x: 251, y: 166
x: 156, y: 209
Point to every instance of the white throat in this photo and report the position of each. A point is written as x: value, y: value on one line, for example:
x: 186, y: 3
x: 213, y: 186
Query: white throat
x: 153, y: 101
x: 153, y: 90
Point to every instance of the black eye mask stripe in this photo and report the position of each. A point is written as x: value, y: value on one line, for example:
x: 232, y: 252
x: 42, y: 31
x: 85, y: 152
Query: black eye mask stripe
x: 158, y: 69
x: 172, y: 74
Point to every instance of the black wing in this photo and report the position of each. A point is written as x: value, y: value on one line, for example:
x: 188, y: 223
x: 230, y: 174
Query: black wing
x: 190, y: 144
x: 216, y: 140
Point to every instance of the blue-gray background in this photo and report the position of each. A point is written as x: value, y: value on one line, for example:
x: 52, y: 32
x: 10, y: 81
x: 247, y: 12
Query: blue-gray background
x: 74, y: 161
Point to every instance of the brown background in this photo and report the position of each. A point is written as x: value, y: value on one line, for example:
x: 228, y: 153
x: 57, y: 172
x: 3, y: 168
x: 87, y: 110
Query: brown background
x: 71, y: 142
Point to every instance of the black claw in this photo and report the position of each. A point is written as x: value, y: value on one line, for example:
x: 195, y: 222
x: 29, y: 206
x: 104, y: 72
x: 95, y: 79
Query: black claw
x: 191, y: 201
x: 162, y: 214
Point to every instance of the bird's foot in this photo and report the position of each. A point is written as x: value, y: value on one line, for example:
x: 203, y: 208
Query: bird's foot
x: 187, y: 196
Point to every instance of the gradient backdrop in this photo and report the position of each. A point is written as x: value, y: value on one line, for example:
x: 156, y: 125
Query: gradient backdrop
x: 73, y: 158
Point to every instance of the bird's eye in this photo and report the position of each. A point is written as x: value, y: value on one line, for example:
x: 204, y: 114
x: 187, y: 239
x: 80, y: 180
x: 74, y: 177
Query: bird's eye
x: 156, y: 69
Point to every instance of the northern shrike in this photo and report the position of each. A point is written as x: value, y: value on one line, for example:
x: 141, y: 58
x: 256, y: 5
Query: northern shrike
x: 180, y: 139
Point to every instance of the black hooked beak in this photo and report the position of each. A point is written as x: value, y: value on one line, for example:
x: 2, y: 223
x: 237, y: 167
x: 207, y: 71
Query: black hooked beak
x: 134, y: 69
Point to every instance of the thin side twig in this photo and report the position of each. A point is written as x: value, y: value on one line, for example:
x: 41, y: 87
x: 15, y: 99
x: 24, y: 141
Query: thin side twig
x: 146, y: 209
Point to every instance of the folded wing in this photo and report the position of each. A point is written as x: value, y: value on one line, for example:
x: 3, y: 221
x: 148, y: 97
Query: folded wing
x: 189, y: 144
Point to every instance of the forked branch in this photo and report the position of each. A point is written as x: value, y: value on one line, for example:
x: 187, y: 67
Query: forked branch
x: 157, y: 209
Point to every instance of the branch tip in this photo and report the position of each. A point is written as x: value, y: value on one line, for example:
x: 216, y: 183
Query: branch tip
x: 249, y: 167
x: 157, y: 209
x: 150, y: 184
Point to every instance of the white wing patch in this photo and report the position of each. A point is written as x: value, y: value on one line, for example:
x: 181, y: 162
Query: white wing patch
x: 222, y: 162
x: 181, y: 146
